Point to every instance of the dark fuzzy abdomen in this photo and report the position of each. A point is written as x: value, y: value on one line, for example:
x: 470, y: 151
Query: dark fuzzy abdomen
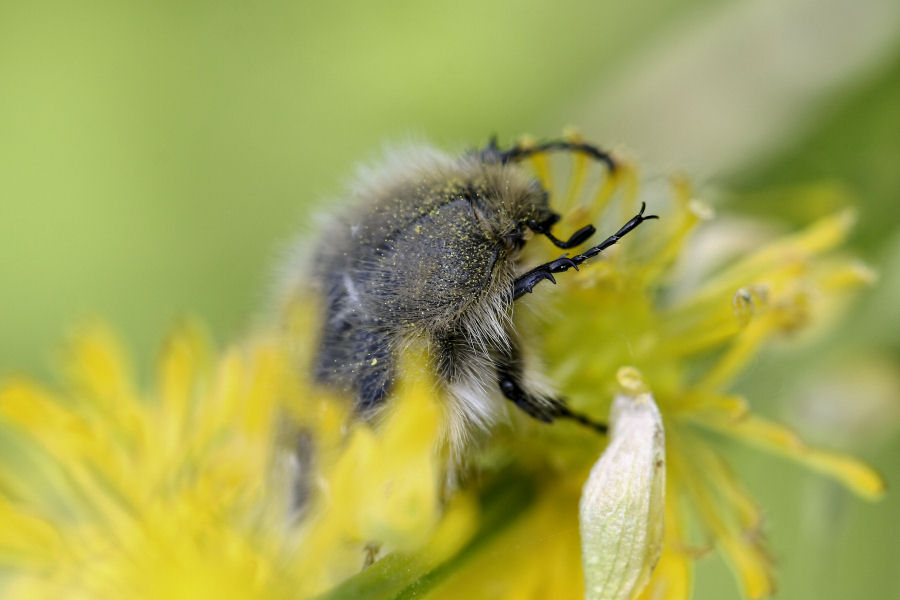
x: 420, y: 279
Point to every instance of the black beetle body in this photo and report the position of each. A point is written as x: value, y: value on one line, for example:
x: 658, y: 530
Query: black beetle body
x: 430, y: 251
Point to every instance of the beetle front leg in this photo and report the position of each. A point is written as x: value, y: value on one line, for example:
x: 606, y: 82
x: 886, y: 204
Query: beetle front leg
x: 525, y: 283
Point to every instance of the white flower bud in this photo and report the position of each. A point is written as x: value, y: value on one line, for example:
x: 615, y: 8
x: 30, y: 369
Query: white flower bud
x: 623, y: 500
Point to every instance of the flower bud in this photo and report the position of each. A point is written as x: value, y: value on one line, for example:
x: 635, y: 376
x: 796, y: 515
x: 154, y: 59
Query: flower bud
x: 622, y: 502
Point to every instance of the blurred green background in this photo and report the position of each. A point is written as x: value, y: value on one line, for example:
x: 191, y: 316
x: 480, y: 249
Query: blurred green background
x: 156, y: 158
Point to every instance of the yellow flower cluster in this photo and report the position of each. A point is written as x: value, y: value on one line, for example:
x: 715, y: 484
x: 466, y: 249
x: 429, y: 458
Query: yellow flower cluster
x: 234, y: 476
x: 107, y: 492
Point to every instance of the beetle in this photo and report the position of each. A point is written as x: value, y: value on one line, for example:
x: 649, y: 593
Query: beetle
x: 431, y: 251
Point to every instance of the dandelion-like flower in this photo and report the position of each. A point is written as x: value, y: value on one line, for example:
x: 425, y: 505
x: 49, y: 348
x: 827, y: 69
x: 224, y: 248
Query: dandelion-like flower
x: 110, y: 492
x: 235, y: 476
x: 689, y: 343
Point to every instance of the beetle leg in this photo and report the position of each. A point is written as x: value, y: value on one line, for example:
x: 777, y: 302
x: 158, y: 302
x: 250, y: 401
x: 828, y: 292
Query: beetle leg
x: 622, y: 232
x: 576, y: 239
x: 538, y: 407
x: 525, y: 283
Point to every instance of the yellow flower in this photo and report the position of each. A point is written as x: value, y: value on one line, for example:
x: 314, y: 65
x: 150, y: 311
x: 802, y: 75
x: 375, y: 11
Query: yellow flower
x: 632, y: 308
x: 234, y: 476
x: 185, y: 491
x: 690, y: 343
x: 107, y: 492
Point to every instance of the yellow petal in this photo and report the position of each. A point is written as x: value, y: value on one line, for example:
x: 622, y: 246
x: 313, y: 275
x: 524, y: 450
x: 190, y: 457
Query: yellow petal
x: 181, y: 367
x: 98, y: 367
x: 26, y: 540
x: 818, y: 238
x: 401, y: 477
x: 97, y: 361
x: 752, y: 566
x: 689, y: 212
x: 603, y: 195
x: 854, y: 474
x: 744, y: 551
x: 576, y: 182
x: 743, y: 349
x: 672, y: 578
x: 539, y: 161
